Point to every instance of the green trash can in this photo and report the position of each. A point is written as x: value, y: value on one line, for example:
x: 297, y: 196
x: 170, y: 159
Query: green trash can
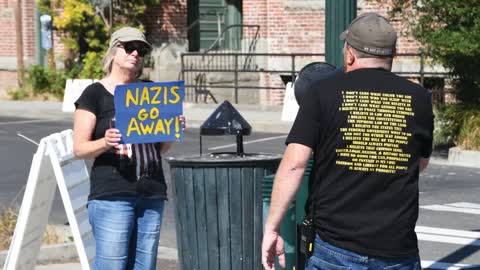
x: 293, y: 217
x: 219, y: 209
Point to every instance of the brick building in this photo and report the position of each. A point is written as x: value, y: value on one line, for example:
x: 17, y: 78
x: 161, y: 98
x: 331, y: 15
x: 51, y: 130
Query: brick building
x: 180, y: 26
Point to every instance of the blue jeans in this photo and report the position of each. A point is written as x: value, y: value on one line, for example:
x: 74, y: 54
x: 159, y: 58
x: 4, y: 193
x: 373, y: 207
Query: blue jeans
x: 126, y: 231
x: 328, y: 257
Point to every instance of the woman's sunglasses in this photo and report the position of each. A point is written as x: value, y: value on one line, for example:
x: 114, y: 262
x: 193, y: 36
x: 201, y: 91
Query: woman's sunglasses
x: 129, y: 47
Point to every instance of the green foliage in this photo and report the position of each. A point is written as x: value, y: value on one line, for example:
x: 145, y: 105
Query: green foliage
x: 450, y: 32
x: 469, y: 135
x: 459, y: 124
x: 18, y: 94
x: 92, y: 66
x: 8, y: 220
x: 80, y: 28
x: 85, y: 29
x: 45, y: 80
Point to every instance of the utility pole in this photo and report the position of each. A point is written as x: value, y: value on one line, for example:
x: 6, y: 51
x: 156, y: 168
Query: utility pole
x: 19, y: 34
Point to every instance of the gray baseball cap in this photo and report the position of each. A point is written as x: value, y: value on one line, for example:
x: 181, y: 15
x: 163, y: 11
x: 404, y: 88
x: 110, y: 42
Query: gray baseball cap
x: 372, y: 34
x: 126, y: 34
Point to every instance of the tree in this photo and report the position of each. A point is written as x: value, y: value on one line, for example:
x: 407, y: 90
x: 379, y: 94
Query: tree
x: 450, y: 33
x: 85, y: 31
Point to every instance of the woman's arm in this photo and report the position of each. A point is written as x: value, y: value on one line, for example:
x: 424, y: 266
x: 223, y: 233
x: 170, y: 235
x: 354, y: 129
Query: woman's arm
x: 165, y: 146
x: 83, y: 127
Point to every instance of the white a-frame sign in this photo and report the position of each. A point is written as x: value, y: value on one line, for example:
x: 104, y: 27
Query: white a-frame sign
x: 53, y: 164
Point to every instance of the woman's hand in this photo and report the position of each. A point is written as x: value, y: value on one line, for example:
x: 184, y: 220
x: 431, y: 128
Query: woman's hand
x: 183, y: 121
x: 112, y: 137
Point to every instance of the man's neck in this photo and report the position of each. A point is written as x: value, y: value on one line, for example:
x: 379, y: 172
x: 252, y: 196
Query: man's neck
x: 362, y: 63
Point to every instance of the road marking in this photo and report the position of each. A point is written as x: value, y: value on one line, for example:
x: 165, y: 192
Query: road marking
x: 465, y: 205
x: 447, y: 236
x: 26, y: 138
x: 28, y: 121
x: 248, y: 142
x: 446, y: 266
x: 450, y: 232
x: 453, y: 208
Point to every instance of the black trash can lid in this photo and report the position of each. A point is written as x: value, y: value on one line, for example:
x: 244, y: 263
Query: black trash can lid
x: 225, y: 120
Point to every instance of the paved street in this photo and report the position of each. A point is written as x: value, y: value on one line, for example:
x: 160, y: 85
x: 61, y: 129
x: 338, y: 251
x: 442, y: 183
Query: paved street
x: 448, y: 229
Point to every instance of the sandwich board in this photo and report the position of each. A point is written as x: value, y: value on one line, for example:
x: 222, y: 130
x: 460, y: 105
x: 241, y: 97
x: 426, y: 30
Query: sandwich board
x: 290, y: 105
x: 53, y: 164
x: 73, y: 89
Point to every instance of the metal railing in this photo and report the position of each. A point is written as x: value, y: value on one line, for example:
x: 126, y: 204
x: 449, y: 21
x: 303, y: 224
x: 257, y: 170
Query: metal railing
x: 197, y: 69
x: 199, y: 65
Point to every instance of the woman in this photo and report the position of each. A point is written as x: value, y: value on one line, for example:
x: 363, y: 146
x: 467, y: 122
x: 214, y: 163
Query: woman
x: 128, y: 189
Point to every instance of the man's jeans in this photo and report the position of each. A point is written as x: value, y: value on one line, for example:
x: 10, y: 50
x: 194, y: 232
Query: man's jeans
x: 326, y: 256
x: 126, y: 231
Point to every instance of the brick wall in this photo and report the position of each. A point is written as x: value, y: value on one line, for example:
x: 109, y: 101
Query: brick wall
x: 290, y: 26
x: 8, y: 80
x: 28, y: 23
x: 255, y: 13
x: 166, y: 21
x: 405, y: 43
x: 7, y: 29
x: 286, y: 26
x: 8, y: 32
x: 8, y: 42
x: 298, y: 26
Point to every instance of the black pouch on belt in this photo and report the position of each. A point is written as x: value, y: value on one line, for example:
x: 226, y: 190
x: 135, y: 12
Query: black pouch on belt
x: 307, y: 237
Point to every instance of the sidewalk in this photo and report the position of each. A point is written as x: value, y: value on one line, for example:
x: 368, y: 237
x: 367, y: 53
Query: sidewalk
x: 262, y: 119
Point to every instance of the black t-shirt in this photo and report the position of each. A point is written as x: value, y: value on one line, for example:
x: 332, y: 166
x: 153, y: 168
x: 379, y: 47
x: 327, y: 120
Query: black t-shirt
x: 368, y: 129
x: 130, y: 169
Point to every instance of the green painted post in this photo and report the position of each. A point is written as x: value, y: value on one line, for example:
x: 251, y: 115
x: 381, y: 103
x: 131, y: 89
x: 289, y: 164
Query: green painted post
x: 338, y: 15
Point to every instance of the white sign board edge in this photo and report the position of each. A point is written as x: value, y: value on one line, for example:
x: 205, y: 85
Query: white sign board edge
x: 25, y: 245
x: 290, y: 105
x: 61, y: 152
x: 29, y: 230
x: 73, y: 89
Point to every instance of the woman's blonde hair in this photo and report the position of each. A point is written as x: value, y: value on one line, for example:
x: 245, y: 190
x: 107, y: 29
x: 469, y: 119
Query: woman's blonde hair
x: 108, y: 61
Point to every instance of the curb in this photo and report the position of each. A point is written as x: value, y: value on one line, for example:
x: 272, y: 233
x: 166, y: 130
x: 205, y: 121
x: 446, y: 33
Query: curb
x: 465, y: 158
x: 446, y: 162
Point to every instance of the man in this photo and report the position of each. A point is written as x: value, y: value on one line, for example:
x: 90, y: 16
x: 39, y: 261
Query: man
x: 371, y: 134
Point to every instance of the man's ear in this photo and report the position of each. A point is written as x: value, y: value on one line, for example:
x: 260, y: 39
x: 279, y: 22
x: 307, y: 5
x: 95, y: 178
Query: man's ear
x: 350, y: 59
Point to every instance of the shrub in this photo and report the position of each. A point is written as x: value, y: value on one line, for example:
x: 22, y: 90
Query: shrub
x: 45, y: 80
x: 92, y: 66
x: 469, y: 135
x: 8, y: 220
x: 458, y: 124
x: 18, y: 94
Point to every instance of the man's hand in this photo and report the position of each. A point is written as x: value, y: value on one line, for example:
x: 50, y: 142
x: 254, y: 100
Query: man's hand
x: 272, y: 246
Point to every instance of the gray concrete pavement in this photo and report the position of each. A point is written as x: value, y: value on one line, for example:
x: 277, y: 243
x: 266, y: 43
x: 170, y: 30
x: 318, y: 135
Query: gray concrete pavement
x: 33, y: 119
x: 262, y: 119
x: 442, y: 184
